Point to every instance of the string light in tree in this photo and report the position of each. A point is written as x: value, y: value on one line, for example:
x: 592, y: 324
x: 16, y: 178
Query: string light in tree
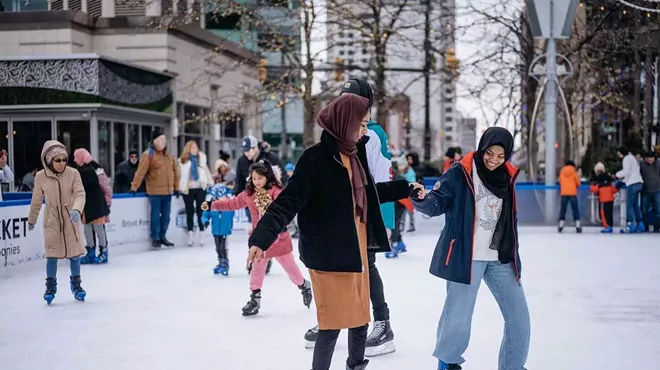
x: 645, y: 8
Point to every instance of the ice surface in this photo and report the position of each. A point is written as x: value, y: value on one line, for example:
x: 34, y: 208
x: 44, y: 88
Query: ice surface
x: 594, y: 301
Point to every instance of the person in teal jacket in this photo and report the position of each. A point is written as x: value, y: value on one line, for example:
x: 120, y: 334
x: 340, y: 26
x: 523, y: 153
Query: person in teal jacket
x: 222, y: 223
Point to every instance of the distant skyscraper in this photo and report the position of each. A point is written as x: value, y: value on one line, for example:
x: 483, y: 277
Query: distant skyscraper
x: 467, y: 134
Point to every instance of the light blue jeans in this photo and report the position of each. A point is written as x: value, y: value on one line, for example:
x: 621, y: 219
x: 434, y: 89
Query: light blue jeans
x: 51, y: 267
x: 456, y: 320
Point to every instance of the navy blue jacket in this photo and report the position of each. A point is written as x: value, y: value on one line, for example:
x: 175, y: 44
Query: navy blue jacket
x: 454, y: 197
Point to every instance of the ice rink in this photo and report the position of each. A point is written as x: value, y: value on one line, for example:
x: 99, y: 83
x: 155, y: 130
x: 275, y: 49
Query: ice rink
x: 594, y: 302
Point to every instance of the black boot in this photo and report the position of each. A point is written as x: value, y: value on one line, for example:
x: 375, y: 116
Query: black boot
x: 166, y: 242
x: 252, y: 307
x: 361, y: 366
x: 306, y: 290
x: 155, y: 243
x: 76, y: 288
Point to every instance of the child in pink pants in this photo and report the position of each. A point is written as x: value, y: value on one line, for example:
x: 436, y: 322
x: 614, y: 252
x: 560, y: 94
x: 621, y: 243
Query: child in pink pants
x: 262, y: 188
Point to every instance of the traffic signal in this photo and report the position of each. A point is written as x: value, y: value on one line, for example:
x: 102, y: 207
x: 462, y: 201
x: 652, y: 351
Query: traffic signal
x: 452, y: 64
x: 263, y: 70
x: 339, y: 69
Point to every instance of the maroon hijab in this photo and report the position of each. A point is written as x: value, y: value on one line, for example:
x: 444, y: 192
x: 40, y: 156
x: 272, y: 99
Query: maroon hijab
x: 342, y: 120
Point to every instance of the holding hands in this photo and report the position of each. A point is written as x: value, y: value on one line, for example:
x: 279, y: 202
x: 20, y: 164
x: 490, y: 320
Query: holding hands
x: 417, y: 191
x: 205, y: 206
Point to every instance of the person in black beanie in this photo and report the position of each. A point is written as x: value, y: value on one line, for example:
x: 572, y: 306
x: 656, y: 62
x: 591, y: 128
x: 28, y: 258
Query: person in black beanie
x: 161, y: 172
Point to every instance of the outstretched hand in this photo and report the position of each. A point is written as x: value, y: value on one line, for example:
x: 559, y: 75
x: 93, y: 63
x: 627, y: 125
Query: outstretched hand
x: 255, y: 254
x: 74, y: 216
x: 30, y: 227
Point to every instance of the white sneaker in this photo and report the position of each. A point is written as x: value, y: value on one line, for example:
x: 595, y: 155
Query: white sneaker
x: 191, y: 238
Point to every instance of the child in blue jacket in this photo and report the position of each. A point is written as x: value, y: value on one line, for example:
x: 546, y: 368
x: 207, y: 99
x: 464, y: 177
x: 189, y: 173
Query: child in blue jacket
x: 222, y: 223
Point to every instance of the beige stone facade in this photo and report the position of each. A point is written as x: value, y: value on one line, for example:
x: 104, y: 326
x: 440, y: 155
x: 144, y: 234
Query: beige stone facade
x: 205, y: 77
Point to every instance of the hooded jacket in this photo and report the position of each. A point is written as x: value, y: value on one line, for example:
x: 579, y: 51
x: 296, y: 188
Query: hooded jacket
x: 380, y: 164
x: 63, y: 193
x: 569, y: 181
x: 243, y: 167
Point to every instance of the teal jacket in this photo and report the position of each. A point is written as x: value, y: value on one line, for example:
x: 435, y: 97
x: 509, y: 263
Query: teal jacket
x: 379, y: 159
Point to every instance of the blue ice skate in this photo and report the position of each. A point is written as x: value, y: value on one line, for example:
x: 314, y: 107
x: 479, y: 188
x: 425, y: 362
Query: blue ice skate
x: 76, y: 288
x: 629, y: 229
x: 394, y: 253
x: 222, y: 268
x: 90, y: 257
x: 51, y: 290
x: 103, y: 256
x: 641, y: 228
x: 443, y: 366
x: 401, y: 247
x: 606, y: 230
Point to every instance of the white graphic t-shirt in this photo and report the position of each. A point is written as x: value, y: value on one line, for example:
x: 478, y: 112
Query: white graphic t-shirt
x: 488, y: 210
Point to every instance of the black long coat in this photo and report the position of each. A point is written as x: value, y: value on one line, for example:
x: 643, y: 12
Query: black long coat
x: 95, y: 205
x: 320, y: 192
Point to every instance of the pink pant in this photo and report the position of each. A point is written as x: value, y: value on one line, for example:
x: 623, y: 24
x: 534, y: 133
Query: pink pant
x: 287, y: 261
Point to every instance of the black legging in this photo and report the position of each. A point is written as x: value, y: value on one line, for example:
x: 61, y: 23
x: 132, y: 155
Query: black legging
x: 194, y: 196
x: 376, y: 291
x: 325, y: 347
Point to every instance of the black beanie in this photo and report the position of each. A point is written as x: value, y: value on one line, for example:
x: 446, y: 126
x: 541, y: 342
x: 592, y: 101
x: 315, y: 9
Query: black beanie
x: 155, y: 134
x: 358, y: 87
x: 451, y: 153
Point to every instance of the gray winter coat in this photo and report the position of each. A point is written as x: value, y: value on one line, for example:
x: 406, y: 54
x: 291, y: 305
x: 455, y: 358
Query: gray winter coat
x: 651, y: 175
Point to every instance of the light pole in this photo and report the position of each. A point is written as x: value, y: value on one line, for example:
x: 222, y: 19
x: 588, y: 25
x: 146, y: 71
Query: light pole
x: 551, y: 20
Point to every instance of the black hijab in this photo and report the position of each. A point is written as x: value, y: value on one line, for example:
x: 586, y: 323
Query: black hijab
x: 497, y: 180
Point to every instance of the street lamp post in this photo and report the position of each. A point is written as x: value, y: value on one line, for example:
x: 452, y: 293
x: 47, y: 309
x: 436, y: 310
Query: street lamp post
x: 551, y: 20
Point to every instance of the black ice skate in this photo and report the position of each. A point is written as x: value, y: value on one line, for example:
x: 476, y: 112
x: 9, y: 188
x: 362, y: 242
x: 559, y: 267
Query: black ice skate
x: 361, y: 366
x: 310, y: 337
x: 306, y: 290
x: 560, y: 227
x: 51, y: 290
x: 381, y: 340
x: 252, y: 307
x: 76, y: 288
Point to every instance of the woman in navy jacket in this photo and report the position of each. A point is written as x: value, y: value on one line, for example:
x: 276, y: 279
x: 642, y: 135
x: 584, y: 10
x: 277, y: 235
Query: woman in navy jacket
x: 479, y: 241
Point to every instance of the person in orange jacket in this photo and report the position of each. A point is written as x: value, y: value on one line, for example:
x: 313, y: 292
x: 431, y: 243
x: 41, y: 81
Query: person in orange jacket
x: 601, y: 184
x: 569, y: 182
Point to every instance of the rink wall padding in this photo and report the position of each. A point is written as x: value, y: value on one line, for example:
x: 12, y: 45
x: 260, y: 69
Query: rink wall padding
x: 128, y: 228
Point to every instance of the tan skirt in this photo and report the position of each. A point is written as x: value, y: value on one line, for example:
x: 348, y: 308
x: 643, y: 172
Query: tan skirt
x: 342, y: 298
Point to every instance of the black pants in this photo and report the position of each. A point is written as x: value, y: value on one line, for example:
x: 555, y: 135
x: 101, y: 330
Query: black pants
x: 325, y: 347
x: 607, y: 214
x: 399, y: 222
x: 574, y: 207
x: 193, y: 201
x: 221, y: 246
x: 376, y: 291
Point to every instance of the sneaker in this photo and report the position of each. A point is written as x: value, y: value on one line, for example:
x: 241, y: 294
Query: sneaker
x: 191, y: 238
x: 381, y: 340
x: 166, y: 242
x: 578, y: 226
x: 155, y: 244
x: 310, y: 337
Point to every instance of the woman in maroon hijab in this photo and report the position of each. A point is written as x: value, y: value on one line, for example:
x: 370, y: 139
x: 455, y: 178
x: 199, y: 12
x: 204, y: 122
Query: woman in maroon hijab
x: 339, y: 218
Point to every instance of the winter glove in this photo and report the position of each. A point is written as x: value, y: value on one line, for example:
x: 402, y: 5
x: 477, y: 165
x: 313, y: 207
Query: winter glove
x: 30, y: 227
x: 74, y: 216
x: 206, y: 225
x: 416, y: 191
x: 177, y: 194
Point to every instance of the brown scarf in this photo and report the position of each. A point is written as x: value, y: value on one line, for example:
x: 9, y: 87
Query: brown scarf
x: 262, y: 200
x: 342, y: 119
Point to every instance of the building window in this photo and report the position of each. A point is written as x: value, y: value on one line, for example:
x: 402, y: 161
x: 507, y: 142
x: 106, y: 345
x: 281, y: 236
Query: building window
x: 349, y: 35
x: 23, y: 5
x: 119, y: 142
x: 449, y: 138
x: 134, y: 138
x: 218, y: 21
x: 29, y: 137
x: 449, y: 129
x: 104, y: 146
x: 449, y: 110
x: 449, y: 119
x: 146, y: 136
x: 74, y: 135
x: 341, y: 52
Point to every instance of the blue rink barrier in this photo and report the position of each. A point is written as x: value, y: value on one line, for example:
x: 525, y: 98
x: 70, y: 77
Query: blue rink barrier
x: 531, y: 204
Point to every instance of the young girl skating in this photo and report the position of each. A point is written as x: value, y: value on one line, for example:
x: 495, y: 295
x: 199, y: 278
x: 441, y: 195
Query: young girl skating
x: 262, y: 188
